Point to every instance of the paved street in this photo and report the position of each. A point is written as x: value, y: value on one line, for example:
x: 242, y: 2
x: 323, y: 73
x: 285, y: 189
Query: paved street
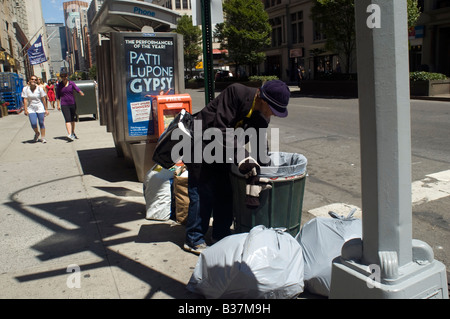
x: 326, y: 131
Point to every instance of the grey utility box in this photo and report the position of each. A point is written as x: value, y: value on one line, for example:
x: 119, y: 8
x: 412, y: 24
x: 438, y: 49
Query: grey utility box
x: 87, y: 104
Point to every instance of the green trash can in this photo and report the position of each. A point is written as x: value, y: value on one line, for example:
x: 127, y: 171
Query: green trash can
x: 280, y: 206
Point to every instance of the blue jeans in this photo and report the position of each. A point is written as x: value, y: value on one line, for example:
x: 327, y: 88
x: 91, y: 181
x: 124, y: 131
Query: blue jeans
x: 34, y: 118
x: 209, y: 193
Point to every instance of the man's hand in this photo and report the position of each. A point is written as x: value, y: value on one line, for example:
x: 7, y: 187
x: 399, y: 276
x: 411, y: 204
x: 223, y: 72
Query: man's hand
x: 249, y: 167
x: 254, y: 186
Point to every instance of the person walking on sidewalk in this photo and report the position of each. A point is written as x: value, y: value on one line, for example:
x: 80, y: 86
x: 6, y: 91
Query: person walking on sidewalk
x: 35, y: 107
x: 50, y: 89
x: 66, y: 103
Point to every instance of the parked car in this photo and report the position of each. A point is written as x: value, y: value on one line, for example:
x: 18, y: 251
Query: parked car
x: 223, y: 74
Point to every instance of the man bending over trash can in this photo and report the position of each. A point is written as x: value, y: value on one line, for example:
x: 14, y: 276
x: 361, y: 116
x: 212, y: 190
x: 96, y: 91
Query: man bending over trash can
x: 209, y: 187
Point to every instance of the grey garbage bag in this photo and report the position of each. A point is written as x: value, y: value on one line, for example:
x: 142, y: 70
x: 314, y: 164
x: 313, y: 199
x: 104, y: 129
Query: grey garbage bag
x: 284, y: 164
x: 265, y: 263
x: 322, y: 239
x: 157, y: 193
x: 281, y: 164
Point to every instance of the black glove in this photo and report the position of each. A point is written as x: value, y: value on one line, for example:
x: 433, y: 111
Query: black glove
x: 249, y: 167
x: 254, y: 186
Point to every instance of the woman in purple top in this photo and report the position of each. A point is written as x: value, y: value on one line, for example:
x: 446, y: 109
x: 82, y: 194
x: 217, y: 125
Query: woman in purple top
x: 66, y: 103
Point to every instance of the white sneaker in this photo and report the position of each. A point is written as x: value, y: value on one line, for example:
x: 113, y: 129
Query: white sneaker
x: 75, y: 136
x: 44, y: 141
x: 70, y: 137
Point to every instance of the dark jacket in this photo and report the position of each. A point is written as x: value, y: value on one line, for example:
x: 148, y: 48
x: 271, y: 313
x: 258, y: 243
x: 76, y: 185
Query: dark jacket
x: 229, y: 110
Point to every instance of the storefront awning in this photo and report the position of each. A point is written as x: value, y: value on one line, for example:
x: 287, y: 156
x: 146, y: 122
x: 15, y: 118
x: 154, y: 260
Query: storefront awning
x: 126, y: 15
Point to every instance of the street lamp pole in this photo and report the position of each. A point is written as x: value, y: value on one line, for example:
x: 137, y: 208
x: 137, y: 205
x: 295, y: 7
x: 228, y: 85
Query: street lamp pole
x: 207, y: 50
x: 387, y: 263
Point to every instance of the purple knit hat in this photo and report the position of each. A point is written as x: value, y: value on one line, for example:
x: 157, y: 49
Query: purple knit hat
x: 276, y: 93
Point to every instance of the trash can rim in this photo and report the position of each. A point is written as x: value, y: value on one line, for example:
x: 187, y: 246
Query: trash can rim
x: 295, y: 171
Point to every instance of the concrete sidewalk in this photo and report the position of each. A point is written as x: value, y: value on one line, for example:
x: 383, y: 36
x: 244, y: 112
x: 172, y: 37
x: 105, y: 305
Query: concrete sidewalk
x: 76, y: 204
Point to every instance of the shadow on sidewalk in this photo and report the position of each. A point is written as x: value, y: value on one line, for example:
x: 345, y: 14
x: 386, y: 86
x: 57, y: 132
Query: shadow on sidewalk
x: 105, y: 164
x: 96, y: 226
x: 163, y: 232
x: 97, y: 233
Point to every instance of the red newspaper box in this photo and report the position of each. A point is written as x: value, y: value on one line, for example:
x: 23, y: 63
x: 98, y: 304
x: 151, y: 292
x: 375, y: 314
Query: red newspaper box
x: 167, y: 107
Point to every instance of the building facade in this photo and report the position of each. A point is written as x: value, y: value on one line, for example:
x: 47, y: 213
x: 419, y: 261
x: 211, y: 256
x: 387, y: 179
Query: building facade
x: 430, y: 39
x: 21, y: 24
x: 295, y: 41
x: 184, y: 7
x: 77, y: 34
x: 95, y: 39
x: 297, y: 44
x: 9, y: 46
x: 180, y: 6
x: 57, y: 44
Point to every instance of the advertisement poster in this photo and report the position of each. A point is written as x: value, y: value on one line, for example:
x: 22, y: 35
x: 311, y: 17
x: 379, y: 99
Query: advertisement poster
x: 150, y: 64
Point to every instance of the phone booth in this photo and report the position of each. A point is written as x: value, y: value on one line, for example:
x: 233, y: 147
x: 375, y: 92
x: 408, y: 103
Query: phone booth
x: 167, y: 107
x: 140, y: 60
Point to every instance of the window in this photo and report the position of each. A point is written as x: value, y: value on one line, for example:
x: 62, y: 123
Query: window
x: 297, y: 27
x: 275, y: 2
x: 271, y: 3
x: 277, y: 31
x: 177, y: 4
x: 421, y: 4
x: 317, y: 34
x: 442, y: 4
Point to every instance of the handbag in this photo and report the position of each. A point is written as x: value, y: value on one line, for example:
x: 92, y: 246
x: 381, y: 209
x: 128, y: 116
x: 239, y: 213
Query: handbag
x: 181, y: 196
x: 180, y: 129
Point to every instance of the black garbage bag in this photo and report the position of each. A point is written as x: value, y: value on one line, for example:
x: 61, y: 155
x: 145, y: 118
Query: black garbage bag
x: 179, y: 130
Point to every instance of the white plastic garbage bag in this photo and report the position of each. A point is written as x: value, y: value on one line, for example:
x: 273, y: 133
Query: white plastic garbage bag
x: 322, y: 239
x: 264, y: 263
x: 157, y: 193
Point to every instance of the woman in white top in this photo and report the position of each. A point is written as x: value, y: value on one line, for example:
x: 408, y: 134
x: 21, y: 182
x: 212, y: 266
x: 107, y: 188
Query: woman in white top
x: 35, y: 107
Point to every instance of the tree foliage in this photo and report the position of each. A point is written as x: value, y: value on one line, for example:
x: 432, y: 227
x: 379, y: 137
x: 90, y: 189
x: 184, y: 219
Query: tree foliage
x: 93, y: 72
x: 413, y: 12
x: 245, y: 32
x: 336, y: 19
x: 191, y: 41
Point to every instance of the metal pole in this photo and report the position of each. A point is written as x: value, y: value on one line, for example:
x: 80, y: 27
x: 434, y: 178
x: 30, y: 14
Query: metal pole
x: 388, y: 263
x: 31, y: 39
x: 384, y: 107
x: 207, y: 50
